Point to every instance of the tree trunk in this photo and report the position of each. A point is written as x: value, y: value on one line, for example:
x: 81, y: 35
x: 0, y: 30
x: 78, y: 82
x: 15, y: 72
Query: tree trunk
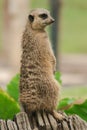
x: 55, y: 11
x: 15, y: 14
x: 43, y: 121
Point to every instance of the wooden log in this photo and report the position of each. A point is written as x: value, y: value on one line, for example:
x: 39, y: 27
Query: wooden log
x: 3, y: 125
x: 40, y: 122
x: 22, y: 121
x: 53, y: 122
x: 11, y: 125
x: 43, y: 121
x: 46, y: 121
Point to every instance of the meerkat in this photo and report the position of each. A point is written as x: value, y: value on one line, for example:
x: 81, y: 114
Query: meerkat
x: 38, y: 88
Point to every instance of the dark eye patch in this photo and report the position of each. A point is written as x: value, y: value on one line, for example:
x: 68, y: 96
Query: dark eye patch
x: 43, y: 16
x: 31, y: 18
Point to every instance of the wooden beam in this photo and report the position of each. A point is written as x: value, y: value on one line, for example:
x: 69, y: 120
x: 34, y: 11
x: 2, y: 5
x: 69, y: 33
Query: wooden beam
x: 43, y: 121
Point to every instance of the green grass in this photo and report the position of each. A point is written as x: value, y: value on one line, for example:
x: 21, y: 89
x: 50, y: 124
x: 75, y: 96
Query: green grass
x: 74, y: 91
x: 74, y: 30
x: 40, y: 4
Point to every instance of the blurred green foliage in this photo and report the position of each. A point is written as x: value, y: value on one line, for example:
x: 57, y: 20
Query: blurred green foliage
x: 71, y: 106
x: 40, y: 4
x: 13, y: 89
x: 58, y: 77
x: 8, y: 106
x: 65, y: 103
x: 74, y: 26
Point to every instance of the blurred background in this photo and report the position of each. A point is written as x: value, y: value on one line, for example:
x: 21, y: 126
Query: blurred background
x: 68, y: 35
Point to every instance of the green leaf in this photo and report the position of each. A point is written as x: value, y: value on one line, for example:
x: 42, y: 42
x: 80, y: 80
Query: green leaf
x: 13, y: 87
x: 79, y: 109
x: 58, y: 77
x: 8, y: 106
x: 65, y: 103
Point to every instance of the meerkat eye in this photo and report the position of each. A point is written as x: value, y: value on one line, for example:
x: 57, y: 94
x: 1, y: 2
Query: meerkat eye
x: 31, y: 18
x: 43, y: 16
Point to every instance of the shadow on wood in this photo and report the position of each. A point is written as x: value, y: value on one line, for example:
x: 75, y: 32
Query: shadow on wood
x: 43, y: 121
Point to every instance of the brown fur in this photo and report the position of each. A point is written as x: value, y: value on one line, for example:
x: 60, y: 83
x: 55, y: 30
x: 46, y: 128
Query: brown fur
x: 38, y: 88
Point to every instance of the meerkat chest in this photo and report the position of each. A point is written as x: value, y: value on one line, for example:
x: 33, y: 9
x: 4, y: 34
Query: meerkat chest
x: 44, y: 43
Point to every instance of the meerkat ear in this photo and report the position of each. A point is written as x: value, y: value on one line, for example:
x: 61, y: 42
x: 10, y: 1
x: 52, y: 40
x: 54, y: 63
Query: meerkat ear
x: 31, y: 18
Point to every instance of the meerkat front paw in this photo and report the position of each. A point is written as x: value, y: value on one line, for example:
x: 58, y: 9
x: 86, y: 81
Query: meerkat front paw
x: 57, y: 115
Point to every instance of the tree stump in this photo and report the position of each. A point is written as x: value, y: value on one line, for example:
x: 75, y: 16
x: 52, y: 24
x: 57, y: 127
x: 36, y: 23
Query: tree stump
x: 43, y: 121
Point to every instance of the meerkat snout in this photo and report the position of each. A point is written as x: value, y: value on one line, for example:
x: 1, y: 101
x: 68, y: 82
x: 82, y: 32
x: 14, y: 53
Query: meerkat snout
x: 40, y: 18
x: 52, y: 20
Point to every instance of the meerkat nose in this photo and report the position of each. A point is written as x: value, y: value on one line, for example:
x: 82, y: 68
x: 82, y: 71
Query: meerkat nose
x: 52, y: 20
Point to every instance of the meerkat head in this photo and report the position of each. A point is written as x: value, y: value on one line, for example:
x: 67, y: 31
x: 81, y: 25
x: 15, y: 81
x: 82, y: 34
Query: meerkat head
x: 39, y: 19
